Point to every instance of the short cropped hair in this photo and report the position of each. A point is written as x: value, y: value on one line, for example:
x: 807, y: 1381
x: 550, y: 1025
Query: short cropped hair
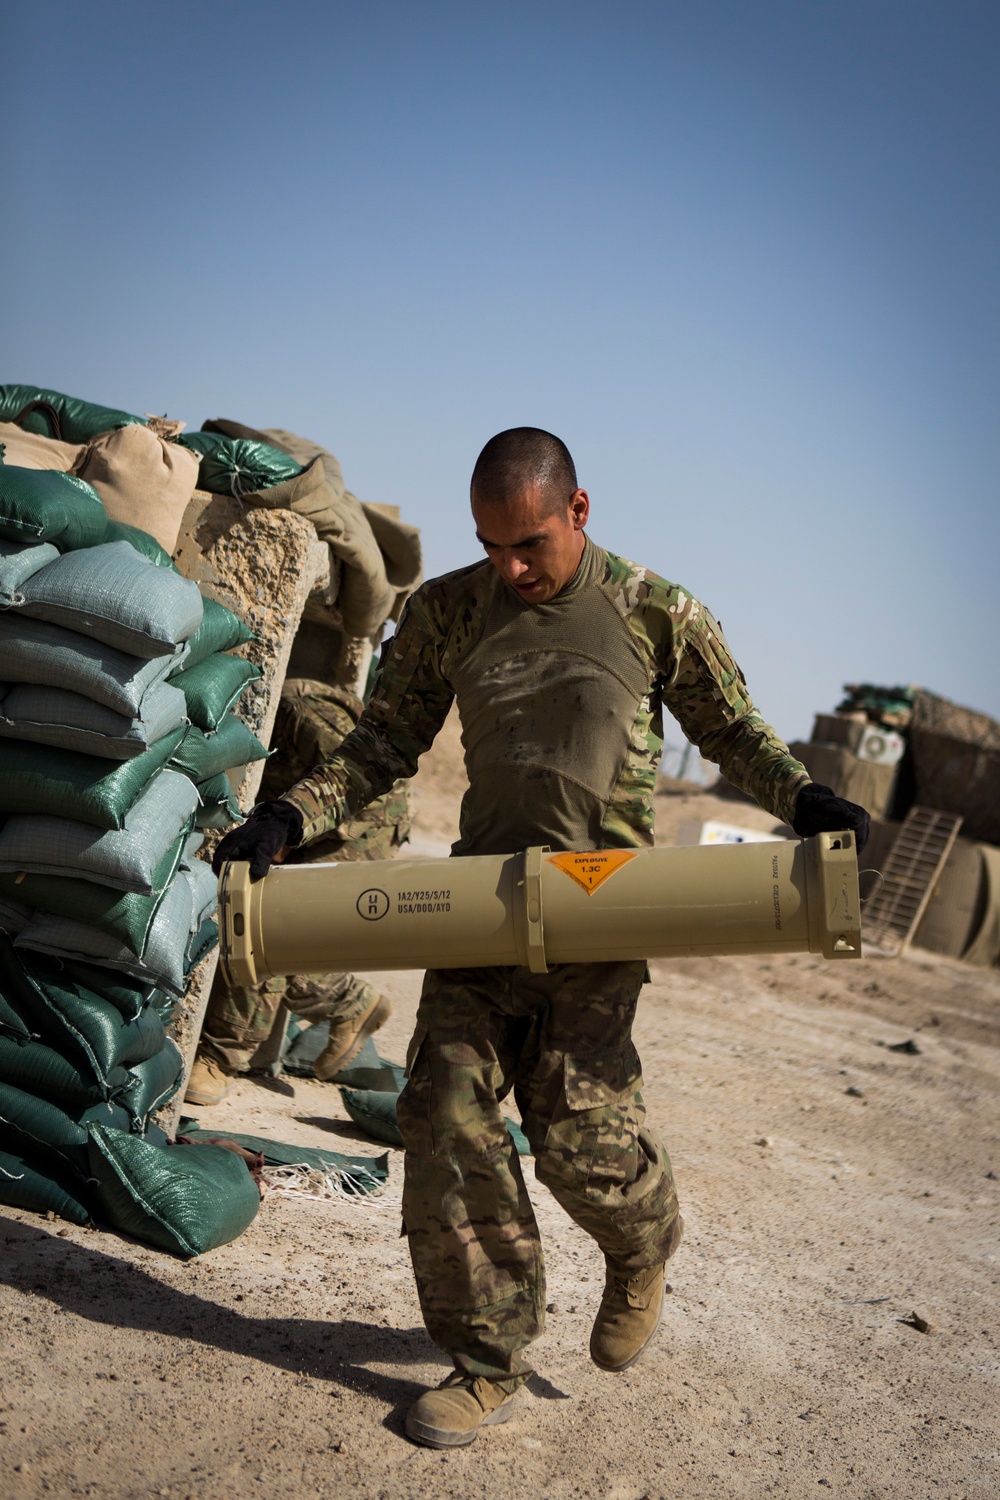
x: 518, y: 458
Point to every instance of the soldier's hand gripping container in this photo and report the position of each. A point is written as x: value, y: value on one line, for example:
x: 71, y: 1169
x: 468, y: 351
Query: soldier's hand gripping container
x: 538, y: 908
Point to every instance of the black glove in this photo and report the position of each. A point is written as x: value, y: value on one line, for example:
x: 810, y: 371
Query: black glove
x: 269, y: 827
x: 820, y: 810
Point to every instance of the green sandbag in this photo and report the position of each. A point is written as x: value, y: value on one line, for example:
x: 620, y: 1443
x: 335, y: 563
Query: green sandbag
x: 375, y: 1113
x: 220, y: 630
x: 128, y: 996
x: 202, y: 942
x: 44, y: 505
x: 11, y: 1024
x: 68, y: 784
x: 237, y: 466
x: 201, y: 756
x: 75, y: 1020
x: 64, y: 417
x: 357, y: 1174
x: 53, y: 1136
x: 24, y: 1184
x: 150, y: 1084
x: 123, y: 915
x: 182, y: 1199
x: 214, y: 687
x: 120, y: 531
x: 17, y: 999
x: 13, y: 998
x: 41, y: 1070
x: 219, y: 805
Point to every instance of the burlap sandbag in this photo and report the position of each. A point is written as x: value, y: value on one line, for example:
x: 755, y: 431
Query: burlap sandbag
x: 142, y: 480
x: 29, y: 451
x: 367, y: 595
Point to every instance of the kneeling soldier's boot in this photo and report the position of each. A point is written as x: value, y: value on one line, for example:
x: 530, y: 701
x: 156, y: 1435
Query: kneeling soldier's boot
x: 209, y: 1082
x: 348, y: 1037
x: 450, y: 1416
x: 628, y: 1316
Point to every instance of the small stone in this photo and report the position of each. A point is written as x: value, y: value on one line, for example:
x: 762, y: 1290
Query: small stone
x: 552, y: 1307
x: 764, y: 1140
x: 909, y: 1047
x: 921, y: 1324
x: 340, y: 1447
x: 855, y: 1092
x: 993, y: 1176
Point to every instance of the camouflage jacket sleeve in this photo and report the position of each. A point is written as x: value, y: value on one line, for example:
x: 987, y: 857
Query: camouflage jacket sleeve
x: 409, y: 704
x: 704, y: 689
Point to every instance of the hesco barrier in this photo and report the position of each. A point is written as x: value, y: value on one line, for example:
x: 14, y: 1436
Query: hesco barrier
x: 537, y: 908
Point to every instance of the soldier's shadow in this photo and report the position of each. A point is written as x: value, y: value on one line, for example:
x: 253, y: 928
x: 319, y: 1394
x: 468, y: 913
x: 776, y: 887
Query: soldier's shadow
x: 106, y: 1289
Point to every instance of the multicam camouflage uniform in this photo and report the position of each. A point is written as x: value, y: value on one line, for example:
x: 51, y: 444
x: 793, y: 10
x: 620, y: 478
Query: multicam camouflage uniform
x: 313, y: 719
x: 561, y: 706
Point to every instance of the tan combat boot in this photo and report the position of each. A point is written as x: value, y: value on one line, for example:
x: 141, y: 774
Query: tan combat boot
x: 450, y: 1416
x: 348, y: 1037
x: 631, y: 1309
x: 209, y: 1082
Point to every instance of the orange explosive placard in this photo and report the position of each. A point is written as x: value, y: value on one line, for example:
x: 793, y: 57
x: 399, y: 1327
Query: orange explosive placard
x: 591, y: 870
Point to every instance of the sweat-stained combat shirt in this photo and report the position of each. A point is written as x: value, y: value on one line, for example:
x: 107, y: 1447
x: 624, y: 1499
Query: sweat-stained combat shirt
x: 561, y: 707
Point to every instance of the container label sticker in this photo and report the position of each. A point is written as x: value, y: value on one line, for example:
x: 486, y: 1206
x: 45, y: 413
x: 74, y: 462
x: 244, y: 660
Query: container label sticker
x: 593, y: 869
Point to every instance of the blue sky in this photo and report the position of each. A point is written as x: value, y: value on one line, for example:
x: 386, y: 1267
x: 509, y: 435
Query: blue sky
x: 742, y: 257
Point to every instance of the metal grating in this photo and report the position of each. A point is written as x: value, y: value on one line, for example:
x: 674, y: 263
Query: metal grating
x: 912, y: 867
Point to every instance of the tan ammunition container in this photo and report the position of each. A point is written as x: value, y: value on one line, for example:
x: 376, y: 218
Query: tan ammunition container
x: 538, y: 908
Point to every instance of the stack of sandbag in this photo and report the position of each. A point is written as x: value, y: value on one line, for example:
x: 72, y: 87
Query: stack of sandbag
x: 116, y: 720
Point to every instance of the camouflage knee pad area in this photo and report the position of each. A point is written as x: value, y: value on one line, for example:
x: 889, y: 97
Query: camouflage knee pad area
x: 240, y: 1019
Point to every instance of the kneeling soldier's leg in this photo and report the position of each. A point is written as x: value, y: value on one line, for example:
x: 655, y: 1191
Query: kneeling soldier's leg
x: 238, y: 1021
x: 354, y: 1011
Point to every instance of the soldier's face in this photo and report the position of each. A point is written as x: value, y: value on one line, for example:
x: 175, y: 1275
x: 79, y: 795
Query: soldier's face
x: 535, y: 549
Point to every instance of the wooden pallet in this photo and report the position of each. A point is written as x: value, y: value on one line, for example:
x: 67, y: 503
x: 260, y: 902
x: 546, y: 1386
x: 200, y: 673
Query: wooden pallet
x: 915, y: 861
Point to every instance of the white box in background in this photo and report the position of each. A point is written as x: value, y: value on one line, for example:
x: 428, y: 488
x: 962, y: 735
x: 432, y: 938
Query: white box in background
x: 691, y: 831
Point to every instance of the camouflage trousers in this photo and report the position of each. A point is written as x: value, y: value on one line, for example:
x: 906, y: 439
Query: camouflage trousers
x: 562, y: 1042
x: 239, y: 1021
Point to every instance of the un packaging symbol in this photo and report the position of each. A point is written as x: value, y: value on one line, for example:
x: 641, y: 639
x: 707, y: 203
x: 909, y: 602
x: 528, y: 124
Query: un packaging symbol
x: 372, y: 904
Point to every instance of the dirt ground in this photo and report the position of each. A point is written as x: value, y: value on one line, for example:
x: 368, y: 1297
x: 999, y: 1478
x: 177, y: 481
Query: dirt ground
x: 831, y: 1188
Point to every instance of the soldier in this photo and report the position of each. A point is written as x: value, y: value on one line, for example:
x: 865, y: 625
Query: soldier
x: 313, y: 719
x: 562, y: 657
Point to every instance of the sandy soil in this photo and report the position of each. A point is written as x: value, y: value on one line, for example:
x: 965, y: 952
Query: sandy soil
x: 831, y: 1188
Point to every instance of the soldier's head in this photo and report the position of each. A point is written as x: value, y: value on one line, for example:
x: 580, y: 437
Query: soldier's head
x: 529, y: 511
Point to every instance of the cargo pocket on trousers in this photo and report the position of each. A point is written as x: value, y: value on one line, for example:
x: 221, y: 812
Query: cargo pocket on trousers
x: 414, y: 1105
x: 593, y: 1137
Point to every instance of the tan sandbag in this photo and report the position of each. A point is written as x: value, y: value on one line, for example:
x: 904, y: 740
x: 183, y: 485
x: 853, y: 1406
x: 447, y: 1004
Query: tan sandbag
x: 29, y: 451
x: 366, y: 596
x: 862, y: 781
x: 142, y: 480
x: 379, y: 554
x: 399, y: 544
x: 984, y: 948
